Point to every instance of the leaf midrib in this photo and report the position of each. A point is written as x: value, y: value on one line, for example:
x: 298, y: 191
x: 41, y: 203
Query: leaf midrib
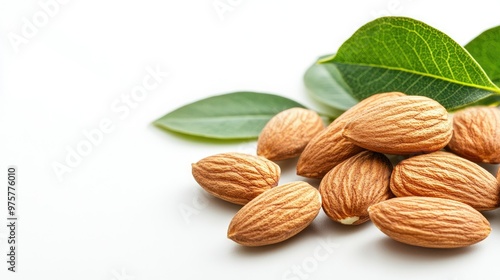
x: 494, y: 88
x: 229, y: 117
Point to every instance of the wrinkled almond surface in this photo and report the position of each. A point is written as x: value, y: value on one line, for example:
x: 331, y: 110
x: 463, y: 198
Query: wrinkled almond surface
x: 287, y: 134
x: 403, y: 125
x: 275, y: 215
x: 329, y: 148
x: 430, y: 222
x: 236, y: 177
x: 446, y: 175
x: 476, y: 134
x: 355, y: 184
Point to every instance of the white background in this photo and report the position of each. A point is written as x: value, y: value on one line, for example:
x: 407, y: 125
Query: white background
x: 130, y: 208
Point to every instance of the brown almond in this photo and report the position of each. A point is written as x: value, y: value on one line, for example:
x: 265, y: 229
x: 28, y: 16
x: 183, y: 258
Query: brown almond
x: 445, y: 175
x: 403, y: 125
x: 476, y: 134
x: 355, y: 184
x: 287, y: 134
x: 430, y: 222
x: 236, y: 177
x: 275, y: 215
x: 329, y: 148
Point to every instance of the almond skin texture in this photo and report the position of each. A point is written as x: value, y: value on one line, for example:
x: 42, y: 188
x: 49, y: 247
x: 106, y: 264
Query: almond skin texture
x: 446, y: 175
x: 476, y: 134
x: 236, y: 177
x: 430, y: 222
x: 275, y: 215
x: 403, y: 125
x: 355, y: 184
x: 287, y: 134
x: 329, y: 148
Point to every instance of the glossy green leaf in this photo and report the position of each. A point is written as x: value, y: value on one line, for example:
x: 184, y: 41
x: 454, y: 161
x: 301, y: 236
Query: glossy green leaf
x: 485, y: 48
x: 325, y: 84
x: 403, y: 54
x: 238, y: 115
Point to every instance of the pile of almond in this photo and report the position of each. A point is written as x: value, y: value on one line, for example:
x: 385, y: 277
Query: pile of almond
x: 430, y: 198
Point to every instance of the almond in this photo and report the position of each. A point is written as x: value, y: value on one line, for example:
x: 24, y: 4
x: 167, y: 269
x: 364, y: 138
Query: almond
x: 355, y: 184
x: 329, y: 148
x: 236, y: 177
x: 476, y: 134
x: 287, y: 134
x: 445, y: 175
x: 430, y: 222
x: 275, y: 215
x: 403, y: 125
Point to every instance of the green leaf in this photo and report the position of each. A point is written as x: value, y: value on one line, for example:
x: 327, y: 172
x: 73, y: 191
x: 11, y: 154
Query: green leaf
x: 238, y: 115
x: 326, y: 85
x: 485, y: 48
x: 403, y: 54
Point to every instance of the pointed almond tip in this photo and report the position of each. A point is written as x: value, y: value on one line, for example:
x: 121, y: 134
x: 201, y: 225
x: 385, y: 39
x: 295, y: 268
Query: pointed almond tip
x: 194, y: 166
x: 230, y: 230
x: 265, y: 154
x: 346, y: 132
x: 371, y: 209
x: 231, y: 234
x: 299, y: 170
